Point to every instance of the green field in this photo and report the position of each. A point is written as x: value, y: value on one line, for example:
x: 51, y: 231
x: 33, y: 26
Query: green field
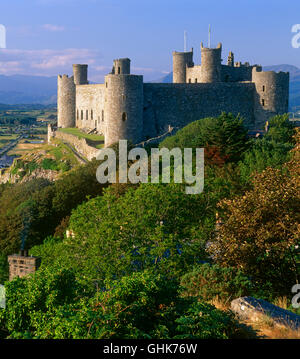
x: 80, y: 134
x: 96, y: 141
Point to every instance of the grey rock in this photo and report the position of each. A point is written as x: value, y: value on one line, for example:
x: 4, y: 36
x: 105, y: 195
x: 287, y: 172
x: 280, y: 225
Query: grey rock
x: 255, y: 309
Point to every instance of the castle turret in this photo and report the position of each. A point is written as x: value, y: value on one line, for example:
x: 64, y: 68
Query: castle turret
x: 181, y: 60
x: 230, y: 60
x: 66, y: 95
x: 80, y: 74
x: 121, y: 67
x: 123, y: 108
x: 211, y: 64
x: 272, y: 94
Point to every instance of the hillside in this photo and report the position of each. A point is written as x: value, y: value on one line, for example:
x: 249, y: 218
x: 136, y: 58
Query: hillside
x: 45, y: 161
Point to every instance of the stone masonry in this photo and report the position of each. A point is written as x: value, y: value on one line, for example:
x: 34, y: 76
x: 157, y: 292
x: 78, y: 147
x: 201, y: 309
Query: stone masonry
x: 21, y: 265
x: 125, y: 107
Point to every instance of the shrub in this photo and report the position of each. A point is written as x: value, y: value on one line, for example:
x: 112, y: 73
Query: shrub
x: 208, y: 281
x: 50, y: 164
x: 204, y: 321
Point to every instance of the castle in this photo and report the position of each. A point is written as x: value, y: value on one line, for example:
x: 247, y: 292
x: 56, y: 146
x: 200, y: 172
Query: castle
x: 125, y: 107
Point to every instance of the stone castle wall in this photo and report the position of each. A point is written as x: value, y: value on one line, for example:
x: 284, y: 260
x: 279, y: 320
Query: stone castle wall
x: 177, y: 105
x: 90, y: 107
x: 126, y: 108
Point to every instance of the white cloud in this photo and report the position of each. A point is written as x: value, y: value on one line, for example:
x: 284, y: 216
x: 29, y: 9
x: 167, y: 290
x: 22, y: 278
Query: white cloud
x: 44, y: 62
x: 53, y: 28
x: 49, y: 62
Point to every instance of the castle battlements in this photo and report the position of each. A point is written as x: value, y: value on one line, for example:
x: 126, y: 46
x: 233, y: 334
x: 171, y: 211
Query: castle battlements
x: 125, y: 107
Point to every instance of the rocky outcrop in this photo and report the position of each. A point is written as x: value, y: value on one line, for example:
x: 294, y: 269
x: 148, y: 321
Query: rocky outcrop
x: 249, y: 308
x: 38, y: 173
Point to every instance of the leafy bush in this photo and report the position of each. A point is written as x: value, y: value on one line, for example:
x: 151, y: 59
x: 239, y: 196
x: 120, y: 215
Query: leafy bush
x: 143, y: 305
x: 208, y: 281
x: 28, y: 299
x: 50, y: 164
x: 3, y: 268
x: 204, y: 321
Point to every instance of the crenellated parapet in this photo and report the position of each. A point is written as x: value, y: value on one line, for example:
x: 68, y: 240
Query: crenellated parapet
x: 121, y: 67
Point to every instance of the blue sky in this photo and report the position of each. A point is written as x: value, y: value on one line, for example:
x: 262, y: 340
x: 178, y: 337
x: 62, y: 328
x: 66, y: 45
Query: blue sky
x: 44, y: 37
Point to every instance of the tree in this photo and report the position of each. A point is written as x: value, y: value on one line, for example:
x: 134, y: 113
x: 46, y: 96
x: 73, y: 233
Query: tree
x: 41, y: 206
x: 280, y: 130
x: 224, y: 138
x: 153, y: 226
x: 262, y: 154
x: 261, y: 229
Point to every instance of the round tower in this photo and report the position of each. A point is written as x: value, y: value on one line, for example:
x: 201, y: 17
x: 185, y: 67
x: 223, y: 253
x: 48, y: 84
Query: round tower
x: 272, y: 94
x: 123, y: 108
x: 121, y: 67
x: 272, y: 89
x: 66, y: 96
x: 80, y: 74
x: 181, y: 60
x: 211, y: 64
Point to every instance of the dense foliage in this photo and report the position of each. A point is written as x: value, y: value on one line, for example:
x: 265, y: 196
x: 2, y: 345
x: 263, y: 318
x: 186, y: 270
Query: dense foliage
x: 147, y: 261
x: 32, y: 210
x: 260, y: 234
x: 142, y: 305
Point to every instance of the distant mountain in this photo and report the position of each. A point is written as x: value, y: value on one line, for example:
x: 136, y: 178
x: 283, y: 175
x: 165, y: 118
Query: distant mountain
x: 22, y: 89
x: 294, y: 82
x: 165, y: 79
